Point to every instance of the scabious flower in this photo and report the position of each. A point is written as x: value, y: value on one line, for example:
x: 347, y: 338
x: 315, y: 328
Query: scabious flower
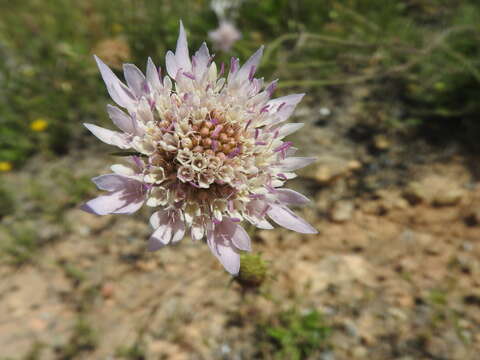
x: 210, y: 151
x: 225, y: 35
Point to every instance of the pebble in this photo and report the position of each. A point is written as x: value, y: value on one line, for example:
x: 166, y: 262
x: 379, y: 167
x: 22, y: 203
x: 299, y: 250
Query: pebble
x: 342, y: 211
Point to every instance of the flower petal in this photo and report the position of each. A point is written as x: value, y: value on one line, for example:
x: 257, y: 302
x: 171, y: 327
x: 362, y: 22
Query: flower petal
x: 230, y: 230
x: 152, y: 75
x: 250, y: 66
x: 181, y: 52
x: 171, y: 64
x: 118, y: 202
x: 116, y: 89
x: 112, y: 182
x: 290, y: 197
x: 294, y: 163
x: 288, y: 129
x: 225, y: 253
x: 283, y: 216
x: 123, y: 121
x: 135, y: 79
x: 108, y: 136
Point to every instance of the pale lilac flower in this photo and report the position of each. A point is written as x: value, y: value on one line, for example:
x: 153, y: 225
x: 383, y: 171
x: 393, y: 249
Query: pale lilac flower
x: 225, y: 35
x: 210, y: 152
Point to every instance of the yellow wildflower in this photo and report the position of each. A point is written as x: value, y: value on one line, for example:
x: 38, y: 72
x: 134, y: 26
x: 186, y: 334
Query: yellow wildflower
x: 39, y: 125
x: 5, y: 166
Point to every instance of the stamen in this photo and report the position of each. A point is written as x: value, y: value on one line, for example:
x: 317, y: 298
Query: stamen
x: 217, y: 130
x: 252, y: 73
x: 222, y: 69
x: 235, y: 219
x: 189, y: 75
x: 282, y: 176
x: 260, y: 143
x: 284, y: 146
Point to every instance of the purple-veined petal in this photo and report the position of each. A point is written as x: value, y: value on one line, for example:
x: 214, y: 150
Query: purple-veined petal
x: 116, y: 89
x: 123, y: 121
x: 108, y: 136
x: 134, y: 78
x: 294, y: 163
x: 291, y: 197
x: 283, y: 216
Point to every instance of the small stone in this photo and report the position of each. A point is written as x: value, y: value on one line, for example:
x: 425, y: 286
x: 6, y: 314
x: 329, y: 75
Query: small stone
x: 449, y: 197
x: 107, y: 290
x: 359, y: 352
x: 146, y: 266
x: 341, y: 211
x: 381, y: 142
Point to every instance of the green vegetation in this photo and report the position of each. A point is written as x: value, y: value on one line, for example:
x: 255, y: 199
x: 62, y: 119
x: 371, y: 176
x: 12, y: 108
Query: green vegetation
x: 82, y: 339
x: 21, y: 244
x: 294, y: 335
x: 422, y: 54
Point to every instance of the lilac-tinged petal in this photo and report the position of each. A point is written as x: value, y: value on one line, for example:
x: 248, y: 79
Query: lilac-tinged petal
x: 116, y: 89
x: 171, y: 64
x: 252, y: 62
x: 134, y: 78
x: 283, y: 216
x: 225, y: 253
x: 237, y: 234
x: 263, y: 224
x: 290, y: 197
x: 288, y: 129
x: 153, y: 77
x: 118, y: 202
x: 113, y: 182
x: 162, y: 235
x: 181, y: 52
x: 121, y: 169
x: 134, y: 203
x: 108, y: 136
x: 123, y: 121
x: 294, y: 163
x: 178, y: 228
x: 284, y: 106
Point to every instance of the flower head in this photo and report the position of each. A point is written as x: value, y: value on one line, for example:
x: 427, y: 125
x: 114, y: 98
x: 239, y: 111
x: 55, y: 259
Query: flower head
x: 39, y: 125
x: 225, y: 35
x: 210, y: 151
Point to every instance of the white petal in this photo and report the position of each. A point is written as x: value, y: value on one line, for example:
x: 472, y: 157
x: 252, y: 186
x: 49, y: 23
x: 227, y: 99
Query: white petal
x: 171, y: 64
x: 292, y: 197
x: 123, y: 121
x: 152, y: 75
x: 181, y: 52
x: 108, y: 136
x: 112, y: 182
x: 225, y: 253
x: 116, y: 89
x: 252, y: 62
x: 288, y: 129
x: 135, y: 79
x: 283, y: 216
x: 121, y: 169
x: 294, y: 163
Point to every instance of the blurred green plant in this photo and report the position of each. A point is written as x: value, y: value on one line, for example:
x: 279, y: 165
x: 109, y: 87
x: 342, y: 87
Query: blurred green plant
x: 422, y: 53
x: 20, y: 245
x: 294, y: 335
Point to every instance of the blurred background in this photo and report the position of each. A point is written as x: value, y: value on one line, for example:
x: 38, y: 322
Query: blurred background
x: 391, y: 112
